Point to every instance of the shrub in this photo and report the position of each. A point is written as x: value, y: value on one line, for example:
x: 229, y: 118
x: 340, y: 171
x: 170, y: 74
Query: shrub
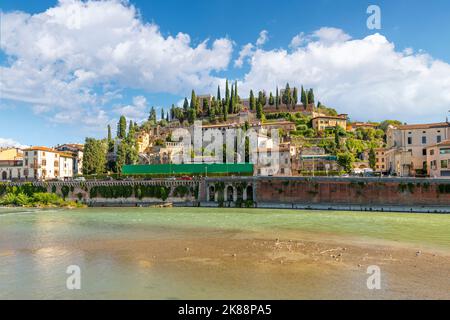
x: 65, y: 191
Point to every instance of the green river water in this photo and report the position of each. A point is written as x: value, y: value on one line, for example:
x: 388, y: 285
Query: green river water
x: 36, y: 246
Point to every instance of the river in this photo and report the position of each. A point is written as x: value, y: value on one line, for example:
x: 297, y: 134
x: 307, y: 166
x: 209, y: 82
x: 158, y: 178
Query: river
x: 201, y: 253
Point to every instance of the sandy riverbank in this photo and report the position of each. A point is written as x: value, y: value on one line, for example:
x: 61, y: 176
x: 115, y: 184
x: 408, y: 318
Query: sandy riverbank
x: 253, y: 266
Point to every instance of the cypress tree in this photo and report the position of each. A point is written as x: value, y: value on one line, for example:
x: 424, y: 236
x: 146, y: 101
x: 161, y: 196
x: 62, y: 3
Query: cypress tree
x: 277, y: 102
x: 122, y: 128
x: 231, y: 102
x: 185, y: 104
x: 227, y: 93
x: 162, y: 114
x: 193, y: 100
x: 252, y: 103
x: 295, y: 96
x: 303, y: 97
x: 236, y: 97
x: 218, y: 93
x: 311, y: 96
x: 259, y: 110
x: 271, y: 99
x: 152, y: 116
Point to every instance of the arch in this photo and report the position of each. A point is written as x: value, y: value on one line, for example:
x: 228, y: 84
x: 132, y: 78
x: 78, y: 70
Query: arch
x: 211, y: 194
x: 4, y: 175
x: 230, y: 193
x: 250, y: 193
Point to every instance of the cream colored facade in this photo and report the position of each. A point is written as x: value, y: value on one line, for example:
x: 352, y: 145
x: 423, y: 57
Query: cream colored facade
x: 408, y: 145
x: 41, y: 163
x: 438, y: 158
x: 273, y: 161
x: 324, y: 122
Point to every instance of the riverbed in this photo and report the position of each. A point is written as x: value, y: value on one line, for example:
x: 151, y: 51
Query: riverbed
x: 213, y: 253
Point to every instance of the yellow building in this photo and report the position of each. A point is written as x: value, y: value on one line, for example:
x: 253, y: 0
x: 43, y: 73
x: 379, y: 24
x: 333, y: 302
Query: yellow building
x: 381, y: 164
x: 11, y: 154
x: 438, y: 160
x: 321, y: 123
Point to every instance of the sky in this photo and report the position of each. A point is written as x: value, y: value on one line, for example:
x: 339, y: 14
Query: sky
x: 69, y: 68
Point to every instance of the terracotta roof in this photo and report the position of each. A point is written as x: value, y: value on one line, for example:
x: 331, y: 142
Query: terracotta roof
x: 38, y: 148
x: 424, y: 126
x: 330, y: 117
x: 444, y: 143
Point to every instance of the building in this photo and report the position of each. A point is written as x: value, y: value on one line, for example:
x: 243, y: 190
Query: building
x: 407, y: 146
x: 143, y: 141
x: 314, y: 159
x: 438, y: 159
x: 321, y: 123
x: 286, y: 126
x: 11, y: 154
x: 42, y: 163
x: 11, y: 170
x: 76, y: 150
x: 275, y: 161
x: 361, y: 125
x: 381, y: 164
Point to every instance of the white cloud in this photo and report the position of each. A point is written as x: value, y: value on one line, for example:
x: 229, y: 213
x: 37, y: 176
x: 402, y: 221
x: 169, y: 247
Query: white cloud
x: 5, y: 143
x: 298, y: 40
x: 246, y: 52
x: 263, y: 37
x: 367, y: 78
x: 328, y: 35
x: 70, y: 57
x: 136, y: 111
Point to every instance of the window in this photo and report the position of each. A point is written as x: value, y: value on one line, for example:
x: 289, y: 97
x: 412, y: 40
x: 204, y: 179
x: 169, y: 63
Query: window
x: 424, y: 140
x: 444, y: 164
x: 424, y: 152
x: 409, y: 140
x: 432, y: 152
x: 438, y: 139
x: 282, y: 170
x: 445, y: 151
x: 44, y: 162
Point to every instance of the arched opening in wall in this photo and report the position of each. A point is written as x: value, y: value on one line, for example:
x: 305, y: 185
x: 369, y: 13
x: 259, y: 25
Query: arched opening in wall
x: 4, y: 175
x: 230, y: 193
x: 250, y: 193
x: 211, y: 193
x: 240, y: 193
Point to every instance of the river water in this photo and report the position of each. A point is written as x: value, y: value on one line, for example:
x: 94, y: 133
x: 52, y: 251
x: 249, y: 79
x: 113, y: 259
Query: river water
x: 201, y: 253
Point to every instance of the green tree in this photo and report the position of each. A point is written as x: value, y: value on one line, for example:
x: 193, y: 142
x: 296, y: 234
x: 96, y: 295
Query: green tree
x: 193, y: 100
x: 227, y: 93
x: 259, y: 110
x: 219, y: 98
x: 231, y: 104
x: 311, y: 96
x: 286, y: 99
x: 252, y: 102
x: 303, y: 97
x: 346, y: 160
x: 372, y: 158
x: 185, y: 105
x: 162, y: 114
x: 152, y: 116
x: 122, y: 128
x: 295, y: 96
x: 121, y: 157
x: 271, y: 99
x: 277, y: 99
x: 94, y: 157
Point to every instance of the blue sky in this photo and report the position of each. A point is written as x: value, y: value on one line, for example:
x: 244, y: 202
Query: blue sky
x: 410, y: 29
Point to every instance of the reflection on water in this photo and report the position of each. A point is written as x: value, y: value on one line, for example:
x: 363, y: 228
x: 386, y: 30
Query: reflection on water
x: 144, y: 253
